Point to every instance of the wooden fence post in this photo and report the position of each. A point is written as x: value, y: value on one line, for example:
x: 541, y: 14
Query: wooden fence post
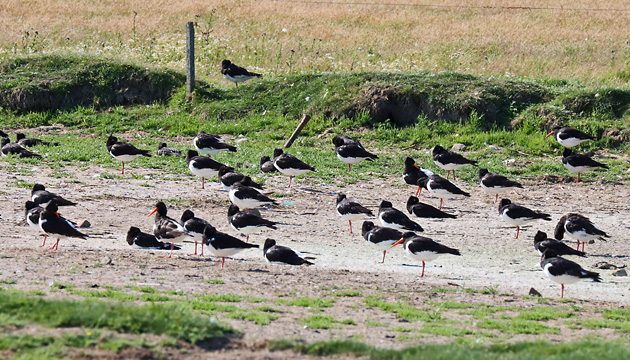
x: 190, y: 58
x: 297, y: 131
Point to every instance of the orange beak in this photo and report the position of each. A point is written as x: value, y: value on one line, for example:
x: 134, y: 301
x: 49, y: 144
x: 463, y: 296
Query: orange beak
x: 397, y: 242
x: 416, y: 166
x: 548, y: 135
x: 56, y: 213
x: 152, y: 212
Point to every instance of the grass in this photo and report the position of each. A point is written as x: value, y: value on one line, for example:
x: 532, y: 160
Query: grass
x: 402, y: 311
x: 518, y: 326
x: 168, y: 319
x: 324, y: 322
x: 315, y: 303
x: 455, y: 351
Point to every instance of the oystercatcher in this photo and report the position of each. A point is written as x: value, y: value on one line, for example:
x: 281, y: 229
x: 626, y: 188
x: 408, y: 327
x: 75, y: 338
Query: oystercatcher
x: 266, y: 165
x: 203, y: 166
x: 564, y: 271
x: 247, y: 197
x: 442, y: 188
x: 236, y: 74
x: 449, y: 160
x: 247, y: 222
x: 166, y: 228
x: 228, y: 177
x: 413, y: 173
x: 141, y: 240
x: 396, y: 219
x: 423, y: 249
x: 414, y: 206
x: 8, y: 148
x: 53, y: 225
x: 578, y: 227
x: 194, y: 226
x: 345, y: 140
x: 381, y: 237
x: 282, y: 254
x: 351, y: 153
x: 33, y: 212
x: 542, y: 243
x: 221, y: 244
x: 123, y: 151
x: 496, y: 184
x: 350, y: 209
x: 40, y: 196
x: 28, y: 142
x: 164, y: 150
x: 578, y: 163
x: 290, y: 165
x: 519, y: 215
x: 210, y: 144
x: 568, y: 137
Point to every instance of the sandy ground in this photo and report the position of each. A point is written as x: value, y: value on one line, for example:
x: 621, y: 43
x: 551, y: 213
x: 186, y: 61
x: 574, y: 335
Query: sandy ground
x: 491, y: 257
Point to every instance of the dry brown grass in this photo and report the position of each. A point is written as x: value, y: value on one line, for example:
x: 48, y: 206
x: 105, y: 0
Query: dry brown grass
x: 590, y: 46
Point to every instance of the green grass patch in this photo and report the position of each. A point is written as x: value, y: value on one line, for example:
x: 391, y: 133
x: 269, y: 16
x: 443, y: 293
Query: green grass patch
x: 517, y: 326
x: 403, y: 311
x: 541, y: 313
x: 324, y: 322
x: 347, y: 293
x: 306, y: 302
x: 214, y: 281
x: 169, y: 319
x: 219, y: 297
x: 119, y: 295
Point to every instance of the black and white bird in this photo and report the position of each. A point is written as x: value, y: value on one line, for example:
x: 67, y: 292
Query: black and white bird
x: 236, y: 74
x: 33, y: 212
x: 247, y: 197
x: 210, y: 144
x: 396, y: 219
x: 441, y: 187
x: 345, y: 140
x: 568, y: 137
x: 221, y: 244
x: 194, y: 226
x: 350, y: 209
x: 351, y: 153
x: 266, y: 164
x: 579, y: 163
x: 28, y: 142
x: 578, y: 227
x: 422, y: 210
x: 543, y: 243
x: 564, y: 271
x: 9, y: 148
x: 449, y: 160
x: 274, y: 253
x: 54, y: 225
x: 227, y: 178
x: 381, y: 237
x: 203, y: 166
x: 166, y: 228
x: 138, y: 239
x: 423, y: 248
x: 164, y: 150
x: 496, y: 184
x: 247, y: 222
x: 41, y: 196
x: 290, y: 165
x: 413, y: 173
x: 123, y: 151
x: 519, y: 215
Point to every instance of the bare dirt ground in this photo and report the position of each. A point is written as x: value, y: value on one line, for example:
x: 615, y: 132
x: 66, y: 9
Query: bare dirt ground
x: 491, y: 257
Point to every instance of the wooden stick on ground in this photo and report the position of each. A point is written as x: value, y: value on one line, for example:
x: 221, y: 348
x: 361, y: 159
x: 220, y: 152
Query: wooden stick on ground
x: 297, y: 131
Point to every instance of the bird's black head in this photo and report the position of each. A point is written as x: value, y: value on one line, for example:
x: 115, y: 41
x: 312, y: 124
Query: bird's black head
x: 160, y: 208
x: 52, y: 207
x: 5, y: 140
x: 268, y: 243
x: 438, y: 149
x: 31, y: 205
x: 264, y: 159
x: 540, y: 236
x: 111, y: 140
x: 412, y: 201
x: 566, y: 152
x: 208, y: 231
x: 38, y: 187
x: 504, y: 202
x: 191, y: 154
x: 385, y: 204
x: 549, y: 253
x: 482, y: 172
x: 19, y: 136
x: 223, y: 170
x: 232, y: 210
x: 367, y: 226
x: 225, y: 64
x: 187, y: 215
x: 161, y: 145
x: 408, y: 235
x: 131, y: 234
x: 409, y: 162
x: 338, y: 141
x: 277, y: 152
x: 340, y: 197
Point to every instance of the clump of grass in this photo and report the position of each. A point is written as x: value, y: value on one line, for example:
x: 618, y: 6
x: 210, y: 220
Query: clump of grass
x: 307, y: 302
x: 518, y: 326
x: 324, y: 322
x: 403, y: 311
x: 347, y: 293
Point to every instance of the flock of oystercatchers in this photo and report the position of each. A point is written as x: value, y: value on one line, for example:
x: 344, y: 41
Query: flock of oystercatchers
x: 397, y: 228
